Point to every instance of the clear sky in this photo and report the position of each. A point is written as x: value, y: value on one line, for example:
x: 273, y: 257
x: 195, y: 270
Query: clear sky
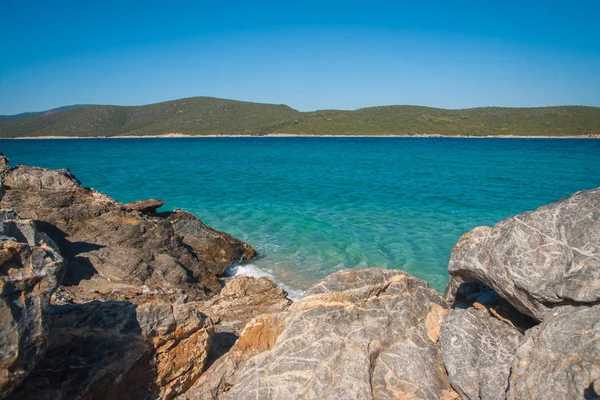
x: 307, y: 54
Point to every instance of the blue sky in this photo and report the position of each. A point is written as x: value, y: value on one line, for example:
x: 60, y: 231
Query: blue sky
x: 309, y: 55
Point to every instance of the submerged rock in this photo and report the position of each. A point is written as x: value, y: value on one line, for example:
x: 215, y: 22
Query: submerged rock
x: 30, y: 271
x: 537, y: 260
x: 350, y: 337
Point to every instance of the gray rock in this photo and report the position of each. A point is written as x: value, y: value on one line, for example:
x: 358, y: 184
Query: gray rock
x: 560, y: 358
x: 478, y: 351
x: 30, y: 270
x: 34, y: 178
x: 358, y: 334
x: 537, y: 260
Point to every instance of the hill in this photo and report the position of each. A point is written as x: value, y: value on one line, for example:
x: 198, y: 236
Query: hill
x: 212, y: 116
x: 194, y: 116
x: 36, y: 113
x: 414, y: 120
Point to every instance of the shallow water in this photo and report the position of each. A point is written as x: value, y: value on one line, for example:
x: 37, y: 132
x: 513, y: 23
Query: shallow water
x: 311, y: 206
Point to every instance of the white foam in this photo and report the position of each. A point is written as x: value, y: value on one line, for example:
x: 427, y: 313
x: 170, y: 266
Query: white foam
x: 253, y: 270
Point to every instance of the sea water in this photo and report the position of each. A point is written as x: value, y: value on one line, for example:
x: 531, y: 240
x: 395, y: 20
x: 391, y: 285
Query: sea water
x: 312, y: 206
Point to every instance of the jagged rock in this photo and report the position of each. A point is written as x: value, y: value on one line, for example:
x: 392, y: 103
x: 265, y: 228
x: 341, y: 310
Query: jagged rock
x: 478, y: 351
x: 242, y: 299
x: 249, y: 308
x: 119, y: 350
x: 35, y: 178
x: 30, y: 270
x: 351, y: 337
x: 3, y: 168
x: 3, y: 163
x: 203, y: 239
x: 560, y: 358
x: 537, y: 260
x: 8, y: 215
x: 181, y: 337
x: 259, y: 335
x: 146, y: 206
x: 110, y: 247
x: 467, y: 293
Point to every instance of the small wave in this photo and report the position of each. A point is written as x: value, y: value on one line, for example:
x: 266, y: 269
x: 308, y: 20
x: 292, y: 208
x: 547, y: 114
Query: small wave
x: 253, y: 270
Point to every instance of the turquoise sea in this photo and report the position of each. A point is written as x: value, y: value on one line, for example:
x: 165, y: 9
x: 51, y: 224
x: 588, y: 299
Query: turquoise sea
x: 312, y: 206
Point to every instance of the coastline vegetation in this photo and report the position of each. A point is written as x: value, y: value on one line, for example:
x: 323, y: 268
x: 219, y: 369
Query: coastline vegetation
x: 211, y: 116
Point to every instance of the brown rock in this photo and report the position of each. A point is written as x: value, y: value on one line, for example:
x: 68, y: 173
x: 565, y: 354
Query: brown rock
x: 108, y: 246
x: 259, y: 335
x: 118, y: 350
x: 433, y: 322
x: 242, y: 299
x: 145, y: 206
x: 219, y: 250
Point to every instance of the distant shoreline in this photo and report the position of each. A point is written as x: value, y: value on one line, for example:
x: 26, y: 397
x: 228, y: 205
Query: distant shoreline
x: 283, y: 135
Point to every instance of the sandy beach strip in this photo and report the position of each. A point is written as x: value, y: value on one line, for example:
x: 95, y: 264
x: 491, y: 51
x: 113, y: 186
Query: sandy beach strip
x: 284, y: 135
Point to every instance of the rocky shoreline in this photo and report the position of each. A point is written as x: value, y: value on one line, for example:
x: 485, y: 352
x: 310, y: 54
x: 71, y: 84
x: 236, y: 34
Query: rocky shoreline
x: 103, y: 300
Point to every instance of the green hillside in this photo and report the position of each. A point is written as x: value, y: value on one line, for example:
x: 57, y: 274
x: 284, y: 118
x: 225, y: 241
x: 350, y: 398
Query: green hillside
x: 205, y: 115
x: 194, y: 116
x: 36, y: 113
x: 412, y: 120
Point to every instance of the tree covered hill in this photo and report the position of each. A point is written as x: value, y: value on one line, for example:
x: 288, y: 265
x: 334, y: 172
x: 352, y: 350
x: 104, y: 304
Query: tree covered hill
x: 36, y: 113
x: 212, y: 116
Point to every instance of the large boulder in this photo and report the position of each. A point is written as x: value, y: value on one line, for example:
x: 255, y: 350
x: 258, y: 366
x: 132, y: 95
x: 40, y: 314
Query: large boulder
x: 478, y: 350
x: 259, y: 335
x: 248, y: 317
x: 218, y: 250
x: 31, y: 268
x: 243, y: 298
x: 358, y: 334
x: 111, y: 246
x: 119, y: 350
x: 35, y: 178
x: 560, y: 358
x: 536, y: 260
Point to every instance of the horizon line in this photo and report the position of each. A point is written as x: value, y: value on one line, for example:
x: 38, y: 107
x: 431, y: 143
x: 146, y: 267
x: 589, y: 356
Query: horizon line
x: 84, y: 105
